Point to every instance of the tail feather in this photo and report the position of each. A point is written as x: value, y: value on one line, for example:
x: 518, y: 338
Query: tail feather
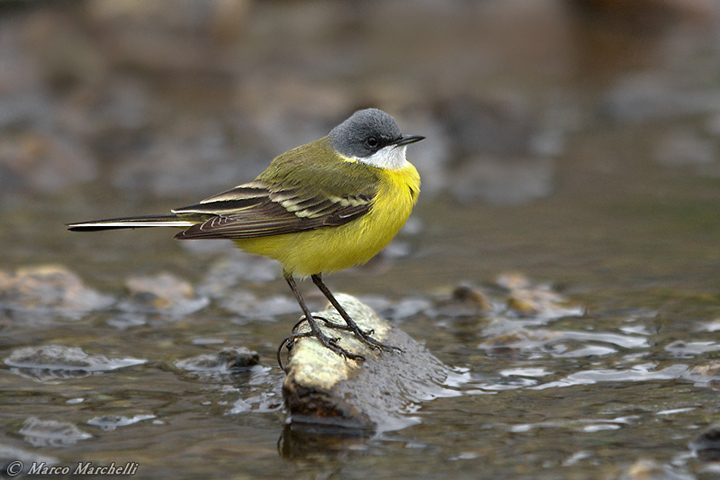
x: 168, y: 220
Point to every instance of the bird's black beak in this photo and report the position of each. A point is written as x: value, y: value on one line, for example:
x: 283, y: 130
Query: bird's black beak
x: 407, y: 140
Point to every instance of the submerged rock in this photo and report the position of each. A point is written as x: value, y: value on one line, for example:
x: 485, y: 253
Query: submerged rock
x: 51, y: 433
x: 539, y: 301
x: 707, y: 445
x: 57, y: 361
x: 323, y: 389
x: 225, y: 361
x: 111, y: 422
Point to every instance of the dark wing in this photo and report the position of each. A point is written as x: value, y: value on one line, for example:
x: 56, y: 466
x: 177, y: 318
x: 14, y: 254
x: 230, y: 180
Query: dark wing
x: 257, y: 209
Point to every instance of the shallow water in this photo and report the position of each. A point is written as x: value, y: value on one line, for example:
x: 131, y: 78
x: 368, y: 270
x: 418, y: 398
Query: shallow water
x: 609, y: 208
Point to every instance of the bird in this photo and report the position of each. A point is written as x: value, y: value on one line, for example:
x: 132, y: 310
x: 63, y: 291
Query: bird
x: 318, y: 208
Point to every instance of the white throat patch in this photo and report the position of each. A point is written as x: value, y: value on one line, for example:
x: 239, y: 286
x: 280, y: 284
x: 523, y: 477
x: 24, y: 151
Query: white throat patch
x: 389, y: 158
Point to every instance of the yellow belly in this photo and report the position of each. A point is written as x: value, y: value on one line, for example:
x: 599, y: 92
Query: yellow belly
x: 331, y: 249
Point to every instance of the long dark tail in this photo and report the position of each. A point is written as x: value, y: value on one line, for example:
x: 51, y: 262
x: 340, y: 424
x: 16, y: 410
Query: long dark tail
x: 167, y: 220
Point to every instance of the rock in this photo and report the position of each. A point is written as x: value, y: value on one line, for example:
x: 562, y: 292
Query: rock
x: 51, y: 433
x: 466, y: 300
x: 645, y: 469
x: 323, y: 389
x: 36, y: 291
x: 707, y: 445
x: 225, y: 361
x: 57, y: 361
x: 111, y: 422
x: 163, y: 293
x: 472, y: 296
x: 539, y: 301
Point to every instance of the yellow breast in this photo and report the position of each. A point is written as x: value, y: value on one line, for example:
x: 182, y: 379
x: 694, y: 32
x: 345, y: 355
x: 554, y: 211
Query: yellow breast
x: 335, y: 248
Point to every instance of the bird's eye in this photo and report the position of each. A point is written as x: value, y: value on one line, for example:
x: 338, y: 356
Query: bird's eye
x: 372, y: 142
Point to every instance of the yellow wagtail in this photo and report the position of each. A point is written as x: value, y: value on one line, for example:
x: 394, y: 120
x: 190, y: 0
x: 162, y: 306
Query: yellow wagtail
x: 320, y: 207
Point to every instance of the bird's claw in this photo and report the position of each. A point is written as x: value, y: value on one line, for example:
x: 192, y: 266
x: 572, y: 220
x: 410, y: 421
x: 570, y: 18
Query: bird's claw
x: 330, y: 343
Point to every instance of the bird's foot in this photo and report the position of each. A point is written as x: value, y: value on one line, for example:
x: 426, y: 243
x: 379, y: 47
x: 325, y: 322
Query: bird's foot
x: 365, y: 336
x: 328, y: 342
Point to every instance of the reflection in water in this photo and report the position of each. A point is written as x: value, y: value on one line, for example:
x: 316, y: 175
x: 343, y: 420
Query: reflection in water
x: 312, y: 441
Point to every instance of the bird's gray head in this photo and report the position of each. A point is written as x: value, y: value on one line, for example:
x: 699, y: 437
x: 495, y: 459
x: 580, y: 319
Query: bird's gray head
x: 371, y: 136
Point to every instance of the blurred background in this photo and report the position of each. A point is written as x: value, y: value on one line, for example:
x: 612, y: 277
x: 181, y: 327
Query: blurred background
x: 574, y: 141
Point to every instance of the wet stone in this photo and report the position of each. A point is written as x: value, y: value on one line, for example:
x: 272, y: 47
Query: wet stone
x: 681, y: 349
x: 324, y: 390
x: 163, y: 293
x: 51, y: 433
x: 707, y: 444
x: 710, y: 371
x: 540, y: 301
x: 45, y: 290
x: 471, y: 296
x: 227, y: 360
x: 123, y: 321
x: 111, y: 422
x: 563, y: 343
x: 57, y: 361
x: 645, y: 469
